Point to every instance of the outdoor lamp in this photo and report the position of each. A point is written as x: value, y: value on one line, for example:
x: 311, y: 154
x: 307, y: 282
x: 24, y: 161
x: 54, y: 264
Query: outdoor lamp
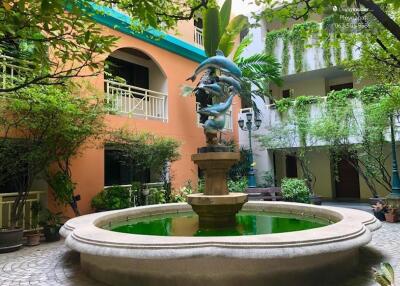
x: 249, y: 116
x: 258, y: 122
x: 251, y: 179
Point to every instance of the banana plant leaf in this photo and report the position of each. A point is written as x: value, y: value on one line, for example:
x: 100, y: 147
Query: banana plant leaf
x: 211, y: 28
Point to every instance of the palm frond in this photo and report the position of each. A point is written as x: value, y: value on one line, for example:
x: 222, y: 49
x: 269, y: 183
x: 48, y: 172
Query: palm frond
x: 261, y: 66
x: 242, y: 46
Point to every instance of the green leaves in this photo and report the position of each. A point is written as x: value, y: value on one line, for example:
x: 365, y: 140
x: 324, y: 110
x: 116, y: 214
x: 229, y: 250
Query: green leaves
x: 385, y: 275
x: 235, y: 26
x: 145, y: 149
x: 225, y: 15
x: 219, y: 31
x: 295, y: 190
x: 211, y: 30
x: 242, y: 46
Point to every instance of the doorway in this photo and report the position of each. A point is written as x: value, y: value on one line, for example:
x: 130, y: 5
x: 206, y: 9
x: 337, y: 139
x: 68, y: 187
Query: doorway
x: 347, y: 184
x: 291, y: 166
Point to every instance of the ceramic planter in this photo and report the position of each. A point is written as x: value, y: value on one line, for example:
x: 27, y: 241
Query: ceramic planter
x: 10, y: 239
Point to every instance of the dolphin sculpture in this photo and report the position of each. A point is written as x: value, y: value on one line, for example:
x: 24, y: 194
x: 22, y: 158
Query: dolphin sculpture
x: 230, y: 81
x: 220, y: 62
x: 218, y: 108
x: 215, y: 124
x: 213, y: 89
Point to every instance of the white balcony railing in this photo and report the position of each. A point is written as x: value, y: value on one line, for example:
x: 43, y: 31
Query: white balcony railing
x: 135, y: 101
x: 6, y: 203
x: 198, y: 37
x: 11, y: 71
x: 228, y: 121
x: 273, y: 120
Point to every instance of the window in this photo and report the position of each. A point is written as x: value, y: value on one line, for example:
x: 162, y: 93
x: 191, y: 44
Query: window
x: 119, y: 172
x: 338, y: 87
x: 198, y: 22
x: 287, y: 93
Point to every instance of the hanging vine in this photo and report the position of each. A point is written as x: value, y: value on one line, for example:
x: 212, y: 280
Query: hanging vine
x: 299, y: 34
x: 297, y: 37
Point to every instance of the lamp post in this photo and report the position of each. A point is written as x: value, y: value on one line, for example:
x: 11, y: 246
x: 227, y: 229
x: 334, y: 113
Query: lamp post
x: 395, y: 192
x: 251, y: 183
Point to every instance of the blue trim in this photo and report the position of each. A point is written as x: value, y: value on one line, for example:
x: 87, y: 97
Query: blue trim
x: 122, y: 22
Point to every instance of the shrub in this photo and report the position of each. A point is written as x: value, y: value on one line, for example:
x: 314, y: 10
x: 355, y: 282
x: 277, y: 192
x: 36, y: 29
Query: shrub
x: 181, y: 195
x: 237, y: 186
x: 156, y: 196
x: 295, y: 190
x: 113, y: 198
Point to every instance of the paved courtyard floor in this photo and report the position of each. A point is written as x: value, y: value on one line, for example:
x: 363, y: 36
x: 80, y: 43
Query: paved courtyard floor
x: 54, y: 264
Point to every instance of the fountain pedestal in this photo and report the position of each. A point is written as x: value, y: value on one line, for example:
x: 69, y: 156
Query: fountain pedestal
x: 216, y: 207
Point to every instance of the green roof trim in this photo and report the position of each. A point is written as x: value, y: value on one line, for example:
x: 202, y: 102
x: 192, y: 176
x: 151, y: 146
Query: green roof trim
x: 122, y: 22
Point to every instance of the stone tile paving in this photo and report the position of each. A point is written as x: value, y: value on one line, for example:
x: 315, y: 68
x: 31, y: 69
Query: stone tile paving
x: 52, y: 264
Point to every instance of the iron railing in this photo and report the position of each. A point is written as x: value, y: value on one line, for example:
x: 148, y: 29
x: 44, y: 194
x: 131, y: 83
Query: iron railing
x: 136, y: 101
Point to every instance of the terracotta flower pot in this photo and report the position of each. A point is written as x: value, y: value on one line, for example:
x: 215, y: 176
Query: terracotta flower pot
x: 33, y: 239
x: 391, y: 217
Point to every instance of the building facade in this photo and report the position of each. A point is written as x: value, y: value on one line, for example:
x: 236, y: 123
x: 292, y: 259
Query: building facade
x: 308, y: 70
x: 153, y: 70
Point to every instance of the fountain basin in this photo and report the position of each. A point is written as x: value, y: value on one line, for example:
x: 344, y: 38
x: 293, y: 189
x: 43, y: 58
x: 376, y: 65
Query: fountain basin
x: 217, y: 211
x: 309, y: 256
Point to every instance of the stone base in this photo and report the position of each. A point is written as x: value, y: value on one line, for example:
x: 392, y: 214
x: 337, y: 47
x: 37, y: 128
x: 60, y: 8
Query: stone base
x: 217, y: 211
x: 315, y: 270
x: 214, y: 148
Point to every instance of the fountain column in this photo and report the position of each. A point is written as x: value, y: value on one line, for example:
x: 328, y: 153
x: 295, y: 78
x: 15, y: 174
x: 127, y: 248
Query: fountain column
x: 216, y: 207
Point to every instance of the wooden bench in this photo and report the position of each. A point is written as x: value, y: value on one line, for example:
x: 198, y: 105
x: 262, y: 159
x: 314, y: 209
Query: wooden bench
x: 264, y: 194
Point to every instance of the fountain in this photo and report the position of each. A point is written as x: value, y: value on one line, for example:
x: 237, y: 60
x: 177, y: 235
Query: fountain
x: 219, y: 238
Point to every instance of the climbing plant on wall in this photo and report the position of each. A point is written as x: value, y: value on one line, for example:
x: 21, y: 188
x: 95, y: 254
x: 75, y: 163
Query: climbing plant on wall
x: 297, y: 37
x: 352, y: 124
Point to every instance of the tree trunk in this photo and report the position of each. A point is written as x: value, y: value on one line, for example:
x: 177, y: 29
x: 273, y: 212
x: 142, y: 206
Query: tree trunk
x: 382, y: 17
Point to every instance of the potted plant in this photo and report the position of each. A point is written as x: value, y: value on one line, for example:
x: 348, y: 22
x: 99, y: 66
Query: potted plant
x: 33, y: 237
x: 51, y: 223
x: 392, y: 214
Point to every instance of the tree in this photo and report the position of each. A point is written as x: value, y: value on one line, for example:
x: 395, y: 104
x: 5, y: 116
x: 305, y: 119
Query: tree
x: 293, y: 136
x: 41, y: 126
x: 82, y: 125
x: 143, y: 150
x: 258, y: 70
x: 51, y: 45
x: 370, y: 26
x: 220, y: 31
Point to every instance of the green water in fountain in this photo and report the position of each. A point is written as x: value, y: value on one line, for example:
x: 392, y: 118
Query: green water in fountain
x: 186, y: 224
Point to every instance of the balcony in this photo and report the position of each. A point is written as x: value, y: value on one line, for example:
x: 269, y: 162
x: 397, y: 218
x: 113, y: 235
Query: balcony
x: 135, y: 101
x: 12, y: 70
x: 198, y: 37
x: 228, y: 122
x: 274, y: 121
x: 298, y: 53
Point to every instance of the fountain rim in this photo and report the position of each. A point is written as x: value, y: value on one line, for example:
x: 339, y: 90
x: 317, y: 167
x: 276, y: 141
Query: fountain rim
x: 351, y: 229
